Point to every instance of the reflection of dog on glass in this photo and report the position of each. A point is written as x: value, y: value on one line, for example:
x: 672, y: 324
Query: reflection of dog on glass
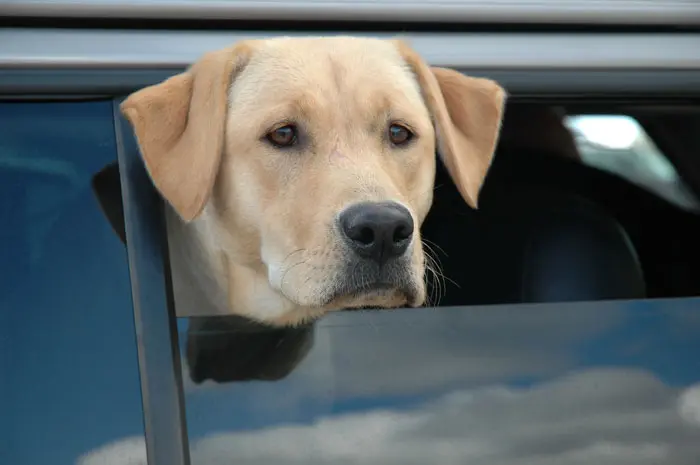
x: 232, y: 348
x: 297, y: 172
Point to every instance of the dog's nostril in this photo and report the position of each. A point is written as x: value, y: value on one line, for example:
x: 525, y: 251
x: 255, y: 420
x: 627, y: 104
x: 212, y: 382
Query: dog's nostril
x: 364, y: 236
x: 402, y: 233
x: 378, y: 231
x: 361, y: 234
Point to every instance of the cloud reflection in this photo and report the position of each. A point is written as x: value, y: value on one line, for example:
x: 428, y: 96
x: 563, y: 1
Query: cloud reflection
x: 610, y: 416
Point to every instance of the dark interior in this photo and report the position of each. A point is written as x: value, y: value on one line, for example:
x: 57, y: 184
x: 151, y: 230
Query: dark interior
x: 551, y: 229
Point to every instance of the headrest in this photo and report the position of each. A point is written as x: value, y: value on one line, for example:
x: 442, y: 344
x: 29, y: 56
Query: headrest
x: 575, y: 251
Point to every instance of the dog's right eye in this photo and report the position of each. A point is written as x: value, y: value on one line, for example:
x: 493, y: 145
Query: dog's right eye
x: 399, y: 134
x: 284, y: 136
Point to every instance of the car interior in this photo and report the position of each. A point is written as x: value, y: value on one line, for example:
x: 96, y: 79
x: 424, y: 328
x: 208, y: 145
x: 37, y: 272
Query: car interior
x: 551, y: 228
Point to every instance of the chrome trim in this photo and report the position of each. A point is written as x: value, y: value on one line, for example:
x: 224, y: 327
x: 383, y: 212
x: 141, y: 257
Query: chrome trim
x: 634, y: 12
x: 120, y: 49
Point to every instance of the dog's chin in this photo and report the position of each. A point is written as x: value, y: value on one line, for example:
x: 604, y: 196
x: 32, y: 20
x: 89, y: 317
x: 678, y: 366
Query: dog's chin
x: 355, y: 285
x: 374, y: 295
x: 363, y: 284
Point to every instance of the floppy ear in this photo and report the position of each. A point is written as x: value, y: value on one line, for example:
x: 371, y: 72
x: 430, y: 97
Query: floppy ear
x: 180, y: 127
x: 467, y: 114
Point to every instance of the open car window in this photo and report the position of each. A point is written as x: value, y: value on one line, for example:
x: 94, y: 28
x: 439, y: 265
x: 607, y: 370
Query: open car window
x: 558, y: 384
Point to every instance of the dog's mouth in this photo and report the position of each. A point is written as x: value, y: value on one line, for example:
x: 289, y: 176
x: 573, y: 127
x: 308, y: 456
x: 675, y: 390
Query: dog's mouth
x: 366, y: 290
x: 373, y: 294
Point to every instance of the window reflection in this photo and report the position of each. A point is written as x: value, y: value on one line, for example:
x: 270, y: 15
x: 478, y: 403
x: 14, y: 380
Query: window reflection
x: 226, y: 349
x: 559, y: 384
x: 68, y: 364
x: 570, y: 384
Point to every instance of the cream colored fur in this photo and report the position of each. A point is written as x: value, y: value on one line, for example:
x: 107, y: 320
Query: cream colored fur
x: 251, y: 226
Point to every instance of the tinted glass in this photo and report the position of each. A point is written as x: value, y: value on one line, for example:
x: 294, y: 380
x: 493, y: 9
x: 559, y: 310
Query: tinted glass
x: 68, y: 364
x: 558, y: 384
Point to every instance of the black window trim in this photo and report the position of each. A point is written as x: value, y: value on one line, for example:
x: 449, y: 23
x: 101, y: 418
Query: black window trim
x: 154, y: 313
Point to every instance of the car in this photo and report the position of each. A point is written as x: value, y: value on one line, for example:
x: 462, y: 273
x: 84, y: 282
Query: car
x: 564, y: 322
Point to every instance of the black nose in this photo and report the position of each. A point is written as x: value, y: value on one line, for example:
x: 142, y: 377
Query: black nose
x: 379, y: 231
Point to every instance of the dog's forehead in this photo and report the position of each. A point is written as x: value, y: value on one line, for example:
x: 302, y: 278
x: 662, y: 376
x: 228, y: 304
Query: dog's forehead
x: 328, y: 64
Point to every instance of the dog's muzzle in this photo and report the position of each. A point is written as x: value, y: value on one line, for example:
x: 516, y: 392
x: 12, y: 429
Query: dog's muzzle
x: 378, y: 236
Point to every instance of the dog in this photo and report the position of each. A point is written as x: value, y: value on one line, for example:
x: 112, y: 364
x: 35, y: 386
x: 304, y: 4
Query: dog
x: 297, y: 172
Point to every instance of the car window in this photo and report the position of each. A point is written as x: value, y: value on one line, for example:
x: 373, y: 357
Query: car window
x: 618, y: 144
x: 558, y: 384
x: 551, y: 384
x: 69, y: 378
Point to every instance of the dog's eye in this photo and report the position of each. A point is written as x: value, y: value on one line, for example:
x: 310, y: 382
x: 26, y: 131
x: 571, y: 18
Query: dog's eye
x: 399, y: 135
x: 284, y: 136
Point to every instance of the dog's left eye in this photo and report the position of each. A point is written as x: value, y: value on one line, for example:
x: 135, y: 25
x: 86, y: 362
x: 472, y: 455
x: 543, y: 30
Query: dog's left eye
x: 284, y: 136
x: 399, y: 135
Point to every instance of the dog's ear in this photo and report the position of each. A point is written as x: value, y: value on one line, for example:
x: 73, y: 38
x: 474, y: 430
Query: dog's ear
x: 180, y: 124
x: 467, y: 114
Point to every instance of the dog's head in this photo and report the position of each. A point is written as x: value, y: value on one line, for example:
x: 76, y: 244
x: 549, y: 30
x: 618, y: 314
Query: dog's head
x: 313, y: 160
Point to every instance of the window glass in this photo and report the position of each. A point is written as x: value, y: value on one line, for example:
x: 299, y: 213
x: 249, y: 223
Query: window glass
x: 68, y: 365
x: 556, y: 384
x: 618, y: 144
x: 559, y: 384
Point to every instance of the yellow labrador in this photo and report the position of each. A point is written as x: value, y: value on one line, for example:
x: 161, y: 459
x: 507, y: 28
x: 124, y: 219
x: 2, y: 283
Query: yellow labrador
x: 298, y: 171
